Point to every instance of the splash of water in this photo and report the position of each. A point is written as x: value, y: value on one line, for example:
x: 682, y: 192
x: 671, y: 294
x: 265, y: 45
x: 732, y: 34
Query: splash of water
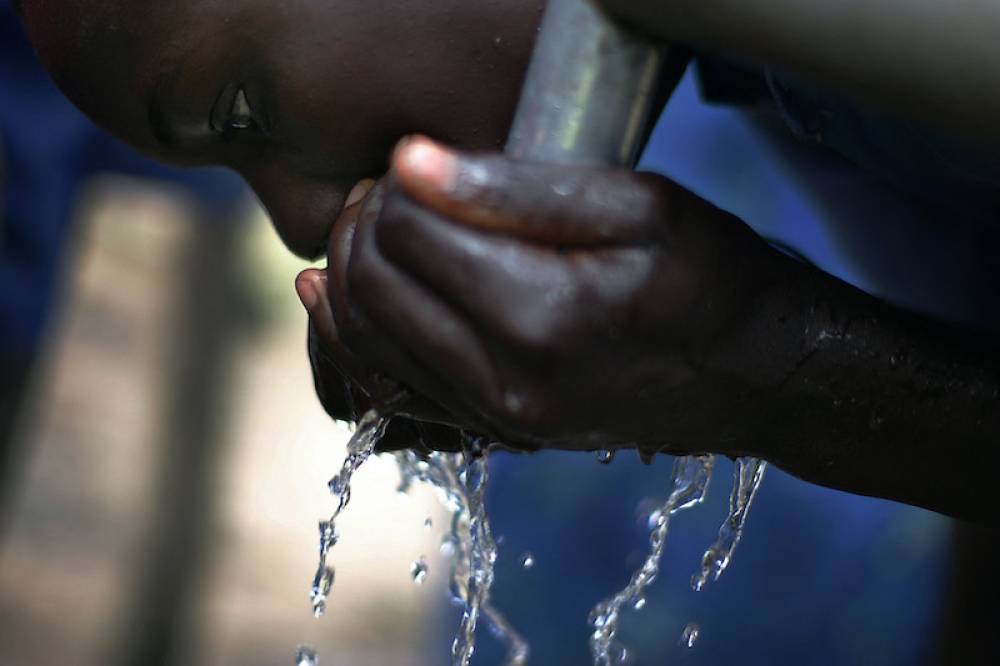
x: 690, y: 635
x: 369, y: 431
x: 747, y: 477
x: 306, y: 656
x: 418, y: 570
x: 691, y: 476
x: 461, y: 480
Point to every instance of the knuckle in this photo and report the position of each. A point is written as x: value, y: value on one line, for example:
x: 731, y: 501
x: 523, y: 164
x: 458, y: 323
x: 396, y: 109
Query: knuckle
x: 542, y: 329
x: 487, y: 181
x: 519, y: 411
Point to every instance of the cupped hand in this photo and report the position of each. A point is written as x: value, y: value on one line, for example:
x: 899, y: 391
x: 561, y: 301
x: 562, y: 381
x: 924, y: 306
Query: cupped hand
x: 545, y: 305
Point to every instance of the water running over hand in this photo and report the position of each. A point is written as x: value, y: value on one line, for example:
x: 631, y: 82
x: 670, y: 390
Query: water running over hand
x: 747, y: 477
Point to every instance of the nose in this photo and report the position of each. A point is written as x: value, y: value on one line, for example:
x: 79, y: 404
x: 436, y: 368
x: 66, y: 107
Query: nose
x: 302, y: 208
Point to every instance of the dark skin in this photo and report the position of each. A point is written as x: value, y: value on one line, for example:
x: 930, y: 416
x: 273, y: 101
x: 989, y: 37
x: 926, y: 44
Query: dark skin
x: 546, y: 306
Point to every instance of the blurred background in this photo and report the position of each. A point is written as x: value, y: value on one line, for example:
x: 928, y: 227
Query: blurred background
x: 164, y: 459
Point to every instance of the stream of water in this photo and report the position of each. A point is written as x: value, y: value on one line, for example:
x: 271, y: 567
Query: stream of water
x: 691, y: 477
x: 460, y: 480
x: 369, y: 431
x: 748, y: 474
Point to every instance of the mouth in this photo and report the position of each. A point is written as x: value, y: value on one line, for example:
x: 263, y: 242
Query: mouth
x: 319, y: 248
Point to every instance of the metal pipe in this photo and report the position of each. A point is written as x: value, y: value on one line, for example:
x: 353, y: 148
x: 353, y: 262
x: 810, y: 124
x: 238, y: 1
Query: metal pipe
x: 589, y: 92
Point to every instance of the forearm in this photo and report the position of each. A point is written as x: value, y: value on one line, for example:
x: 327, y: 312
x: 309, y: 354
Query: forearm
x: 878, y: 402
x: 927, y: 60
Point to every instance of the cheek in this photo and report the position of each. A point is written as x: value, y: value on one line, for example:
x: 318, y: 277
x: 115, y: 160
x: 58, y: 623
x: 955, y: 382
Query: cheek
x: 302, y: 209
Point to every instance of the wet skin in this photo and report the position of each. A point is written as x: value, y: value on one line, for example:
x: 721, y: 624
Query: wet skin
x: 545, y: 306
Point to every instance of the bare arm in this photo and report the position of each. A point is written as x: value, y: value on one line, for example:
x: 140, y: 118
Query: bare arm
x: 877, y: 401
x: 936, y: 61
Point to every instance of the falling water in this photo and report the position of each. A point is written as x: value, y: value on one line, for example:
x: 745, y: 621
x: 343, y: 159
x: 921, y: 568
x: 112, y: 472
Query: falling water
x: 691, y: 476
x: 689, y: 637
x: 306, y: 656
x: 370, y: 429
x: 461, y: 479
x: 748, y: 474
x: 418, y: 570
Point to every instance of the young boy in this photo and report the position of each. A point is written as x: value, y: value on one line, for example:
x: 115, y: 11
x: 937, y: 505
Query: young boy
x: 546, y: 306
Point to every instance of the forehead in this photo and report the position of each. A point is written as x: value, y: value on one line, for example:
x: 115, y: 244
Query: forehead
x: 106, y: 55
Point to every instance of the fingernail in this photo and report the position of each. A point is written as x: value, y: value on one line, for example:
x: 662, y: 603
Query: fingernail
x: 429, y: 162
x: 358, y: 192
x: 306, y: 286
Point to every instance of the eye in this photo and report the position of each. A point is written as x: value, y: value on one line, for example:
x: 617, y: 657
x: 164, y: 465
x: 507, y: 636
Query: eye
x: 233, y: 113
x: 241, y: 115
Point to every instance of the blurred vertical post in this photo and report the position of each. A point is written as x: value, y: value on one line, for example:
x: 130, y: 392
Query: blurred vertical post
x: 159, y: 624
x: 591, y: 90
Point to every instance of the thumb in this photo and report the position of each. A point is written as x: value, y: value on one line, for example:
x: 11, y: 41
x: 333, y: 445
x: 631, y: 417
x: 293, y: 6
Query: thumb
x: 547, y: 203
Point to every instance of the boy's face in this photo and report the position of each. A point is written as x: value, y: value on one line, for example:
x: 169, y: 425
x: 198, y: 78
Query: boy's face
x: 302, y: 97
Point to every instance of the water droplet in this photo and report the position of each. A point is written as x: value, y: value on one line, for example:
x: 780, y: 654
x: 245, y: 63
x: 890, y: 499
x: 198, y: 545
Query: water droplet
x: 428, y: 523
x: 605, y: 457
x: 321, y: 589
x: 513, y: 402
x: 563, y: 189
x: 336, y: 485
x: 646, y: 457
x: 447, y: 547
x: 328, y: 537
x: 418, y: 571
x: 527, y: 560
x: 655, y: 519
x: 639, y: 603
x: 689, y: 637
x: 306, y: 656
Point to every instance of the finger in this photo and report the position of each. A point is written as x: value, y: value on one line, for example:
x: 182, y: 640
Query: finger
x: 378, y: 349
x: 345, y: 385
x: 333, y: 388
x: 339, y: 248
x: 545, y: 203
x: 311, y: 287
x: 504, y: 285
x: 420, y: 340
